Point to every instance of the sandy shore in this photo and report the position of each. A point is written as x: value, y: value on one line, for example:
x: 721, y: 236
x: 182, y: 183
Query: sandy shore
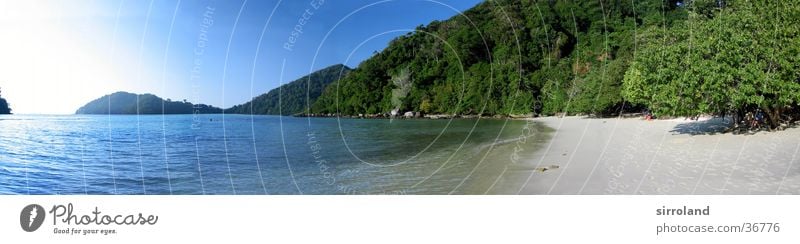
x: 634, y: 156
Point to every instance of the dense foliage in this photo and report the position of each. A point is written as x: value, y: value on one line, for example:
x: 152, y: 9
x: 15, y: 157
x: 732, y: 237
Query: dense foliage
x: 4, y: 109
x: 506, y: 57
x: 126, y: 103
x: 731, y: 57
x: 293, y: 97
x: 600, y: 57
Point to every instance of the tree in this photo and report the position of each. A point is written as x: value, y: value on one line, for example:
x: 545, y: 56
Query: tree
x: 739, y: 59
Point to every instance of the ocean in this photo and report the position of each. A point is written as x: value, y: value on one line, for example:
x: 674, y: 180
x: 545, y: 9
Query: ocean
x: 256, y: 154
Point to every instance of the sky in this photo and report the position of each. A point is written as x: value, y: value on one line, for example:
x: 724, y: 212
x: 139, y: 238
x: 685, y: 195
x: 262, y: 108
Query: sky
x: 56, y: 56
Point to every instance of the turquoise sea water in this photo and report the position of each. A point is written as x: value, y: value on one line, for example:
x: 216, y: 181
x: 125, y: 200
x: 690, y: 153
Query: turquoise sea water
x: 243, y: 154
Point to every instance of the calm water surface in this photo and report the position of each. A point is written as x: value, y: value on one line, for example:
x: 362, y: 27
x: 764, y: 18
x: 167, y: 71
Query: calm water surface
x: 243, y: 154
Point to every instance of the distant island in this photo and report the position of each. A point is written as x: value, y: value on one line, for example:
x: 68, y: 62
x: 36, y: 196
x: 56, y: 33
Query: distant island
x: 292, y: 100
x: 126, y: 103
x: 4, y: 109
x: 294, y: 97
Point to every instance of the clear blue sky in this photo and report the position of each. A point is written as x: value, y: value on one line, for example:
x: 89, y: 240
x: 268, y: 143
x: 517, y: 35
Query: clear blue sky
x: 59, y: 55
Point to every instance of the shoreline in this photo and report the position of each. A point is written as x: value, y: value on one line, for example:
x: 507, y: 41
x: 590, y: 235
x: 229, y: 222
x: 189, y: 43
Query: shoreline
x: 675, y: 156
x: 417, y: 115
x: 425, y: 117
x: 495, y: 158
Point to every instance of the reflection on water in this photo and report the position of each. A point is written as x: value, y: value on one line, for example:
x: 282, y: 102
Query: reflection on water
x: 243, y: 154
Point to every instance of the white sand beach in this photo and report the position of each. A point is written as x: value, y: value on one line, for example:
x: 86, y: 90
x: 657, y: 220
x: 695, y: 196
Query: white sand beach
x: 635, y: 156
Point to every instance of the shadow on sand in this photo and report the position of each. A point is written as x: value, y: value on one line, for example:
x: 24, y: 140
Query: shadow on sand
x: 704, y: 127
x: 720, y: 126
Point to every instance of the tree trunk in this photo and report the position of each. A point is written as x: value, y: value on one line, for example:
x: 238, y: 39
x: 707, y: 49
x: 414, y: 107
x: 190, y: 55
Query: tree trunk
x: 773, y: 116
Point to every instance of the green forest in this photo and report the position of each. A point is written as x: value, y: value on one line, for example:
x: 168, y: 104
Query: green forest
x: 293, y: 97
x: 4, y: 107
x: 129, y: 103
x: 599, y: 58
x: 731, y: 57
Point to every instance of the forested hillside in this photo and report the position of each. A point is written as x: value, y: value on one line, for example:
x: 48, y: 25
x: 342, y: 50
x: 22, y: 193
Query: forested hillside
x: 505, y: 57
x: 547, y: 57
x: 293, y: 97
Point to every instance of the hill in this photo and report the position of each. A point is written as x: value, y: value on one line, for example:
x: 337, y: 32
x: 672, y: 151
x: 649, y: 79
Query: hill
x: 4, y: 109
x: 671, y: 57
x: 126, y: 103
x: 506, y: 57
x: 291, y: 98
